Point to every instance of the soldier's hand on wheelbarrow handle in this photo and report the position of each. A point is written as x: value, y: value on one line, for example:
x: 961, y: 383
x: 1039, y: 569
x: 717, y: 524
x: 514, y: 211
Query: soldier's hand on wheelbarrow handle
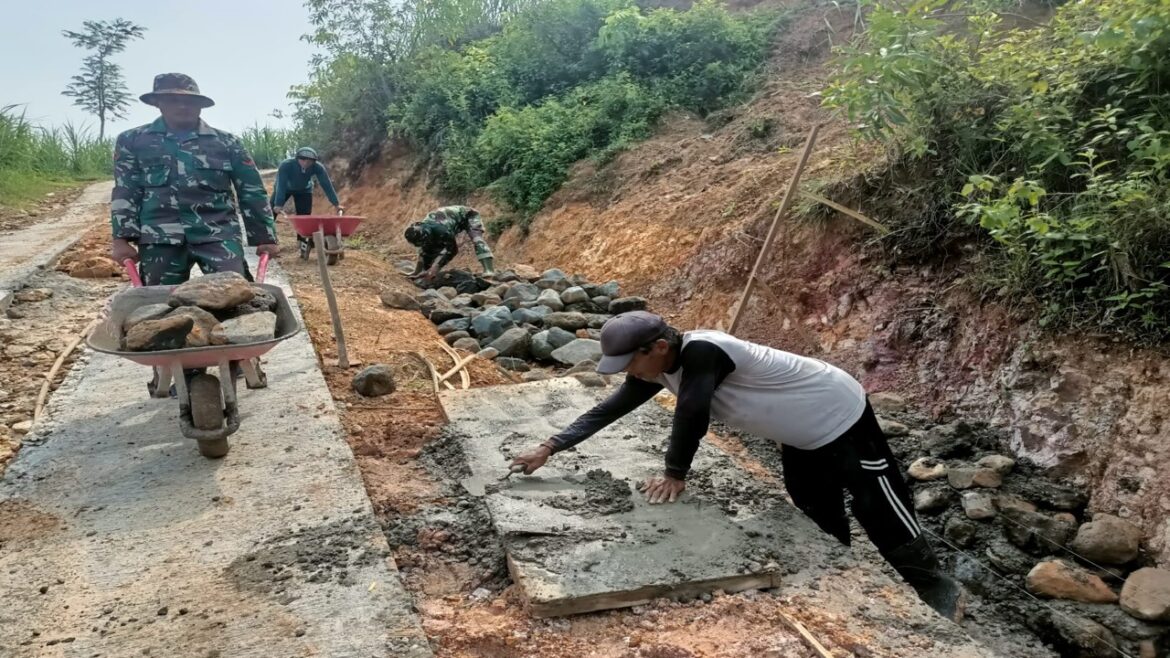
x: 122, y: 250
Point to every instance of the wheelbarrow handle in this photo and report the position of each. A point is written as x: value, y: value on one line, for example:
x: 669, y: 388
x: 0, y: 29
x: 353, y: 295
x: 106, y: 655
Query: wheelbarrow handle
x: 262, y: 268
x: 132, y: 272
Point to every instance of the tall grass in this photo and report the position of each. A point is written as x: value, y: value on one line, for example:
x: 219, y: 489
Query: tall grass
x: 35, y: 160
x: 268, y: 145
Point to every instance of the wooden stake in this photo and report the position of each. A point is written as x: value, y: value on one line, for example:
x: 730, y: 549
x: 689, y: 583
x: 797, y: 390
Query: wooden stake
x: 808, y: 637
x: 789, y: 195
x: 338, y: 334
x: 44, y: 394
x: 848, y: 212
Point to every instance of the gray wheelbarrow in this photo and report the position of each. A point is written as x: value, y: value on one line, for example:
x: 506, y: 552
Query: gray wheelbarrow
x: 208, y: 406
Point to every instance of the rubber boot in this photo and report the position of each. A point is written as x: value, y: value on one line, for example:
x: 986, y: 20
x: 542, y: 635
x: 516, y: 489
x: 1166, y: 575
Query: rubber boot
x: 917, y: 563
x: 488, y: 269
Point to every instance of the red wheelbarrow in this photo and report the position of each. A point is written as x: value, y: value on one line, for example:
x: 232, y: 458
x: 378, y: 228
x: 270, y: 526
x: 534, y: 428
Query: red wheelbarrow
x: 332, y: 228
x: 208, y: 407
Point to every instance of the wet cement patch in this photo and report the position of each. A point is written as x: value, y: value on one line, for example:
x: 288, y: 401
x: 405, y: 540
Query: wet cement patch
x: 326, y: 553
x: 578, y: 537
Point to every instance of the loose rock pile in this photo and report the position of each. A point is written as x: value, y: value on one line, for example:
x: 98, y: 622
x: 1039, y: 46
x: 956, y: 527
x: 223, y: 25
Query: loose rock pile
x: 215, y: 309
x: 1005, y: 527
x: 549, y: 318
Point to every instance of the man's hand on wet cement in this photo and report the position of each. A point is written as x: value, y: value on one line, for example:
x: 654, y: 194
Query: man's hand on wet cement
x: 533, y: 459
x: 663, y: 489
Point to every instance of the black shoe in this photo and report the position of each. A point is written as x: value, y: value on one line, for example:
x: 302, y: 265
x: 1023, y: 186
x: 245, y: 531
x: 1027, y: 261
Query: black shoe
x: 917, y: 563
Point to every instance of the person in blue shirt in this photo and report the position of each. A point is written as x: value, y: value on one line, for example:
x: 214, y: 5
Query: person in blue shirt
x: 294, y: 179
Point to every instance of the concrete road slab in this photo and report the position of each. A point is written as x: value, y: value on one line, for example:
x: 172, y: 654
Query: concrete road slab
x: 580, y: 538
x: 118, y: 539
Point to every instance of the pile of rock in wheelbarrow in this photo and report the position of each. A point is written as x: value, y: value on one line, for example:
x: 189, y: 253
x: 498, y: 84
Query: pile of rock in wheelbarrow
x: 549, y: 318
x: 215, y: 309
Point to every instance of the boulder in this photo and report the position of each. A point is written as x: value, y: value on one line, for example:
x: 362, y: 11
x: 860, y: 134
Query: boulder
x: 596, y: 320
x: 1007, y: 558
x: 513, y: 342
x: 553, y: 275
x: 566, y: 321
x: 206, y: 331
x: 627, y: 304
x: 1050, y: 494
x: 892, y: 427
x: 960, y: 532
x: 932, y: 500
x: 1009, y: 501
x: 214, y: 292
x: 925, y: 469
x: 522, y: 292
x: 513, y: 364
x: 544, y: 342
x: 454, y: 336
x: 399, y: 300
x: 601, y: 301
x: 374, y: 381
x: 429, y: 305
x: 1146, y: 594
x: 590, y: 379
x: 1074, y: 635
x: 492, y: 323
x: 611, y: 290
x: 885, y: 402
x: 966, y: 477
x: 144, y: 313
x: 581, y: 349
x: 1036, y: 532
x: 1107, y: 539
x: 574, y: 295
x: 454, y: 324
x: 461, y: 281
x: 978, y: 505
x: 551, y: 299
x: 168, y: 333
x: 261, y: 301
x: 251, y: 328
x: 526, y: 272
x: 1057, y: 579
x: 450, y: 292
x: 466, y: 344
x: 584, y: 366
x: 441, y: 315
x: 485, y: 299
x: 462, y: 301
x: 530, y: 315
x: 586, y: 307
x: 535, y: 376
x: 998, y: 463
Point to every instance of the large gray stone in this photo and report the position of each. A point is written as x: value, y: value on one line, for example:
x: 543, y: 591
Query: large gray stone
x: 627, y: 304
x: 932, y: 500
x: 1146, y: 594
x: 206, y: 331
x: 551, y: 299
x: 251, y: 328
x: 566, y: 321
x: 1108, y: 539
x: 454, y: 324
x: 966, y: 477
x: 454, y: 336
x: 513, y: 342
x: 553, y: 275
x: 492, y: 323
x: 524, y: 292
x: 513, y: 364
x: 374, y: 381
x: 1036, y: 532
x: 214, y: 292
x: 169, y: 333
x: 144, y: 313
x: 530, y: 315
x: 399, y: 300
x: 574, y: 295
x: 611, y: 290
x: 581, y: 349
x: 468, y: 344
x: 441, y: 315
x: 596, y: 320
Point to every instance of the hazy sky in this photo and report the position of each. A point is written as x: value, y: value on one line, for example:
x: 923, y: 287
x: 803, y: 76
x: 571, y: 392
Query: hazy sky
x: 243, y: 53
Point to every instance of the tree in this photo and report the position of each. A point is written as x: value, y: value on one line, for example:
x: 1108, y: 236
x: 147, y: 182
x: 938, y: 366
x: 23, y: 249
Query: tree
x: 99, y: 89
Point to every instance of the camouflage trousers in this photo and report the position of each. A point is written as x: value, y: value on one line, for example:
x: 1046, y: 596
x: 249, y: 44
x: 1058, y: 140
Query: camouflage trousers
x: 475, y: 231
x: 170, y: 264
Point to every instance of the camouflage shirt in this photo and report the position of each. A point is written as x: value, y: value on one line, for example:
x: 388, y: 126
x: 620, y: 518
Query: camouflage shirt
x: 440, y: 227
x: 177, y: 189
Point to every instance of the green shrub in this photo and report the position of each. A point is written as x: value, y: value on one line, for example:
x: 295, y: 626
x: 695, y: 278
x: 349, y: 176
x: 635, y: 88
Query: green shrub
x: 1055, y: 141
x: 35, y: 160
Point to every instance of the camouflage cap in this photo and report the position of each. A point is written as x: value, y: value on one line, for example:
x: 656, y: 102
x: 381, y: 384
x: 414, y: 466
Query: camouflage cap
x: 175, y: 84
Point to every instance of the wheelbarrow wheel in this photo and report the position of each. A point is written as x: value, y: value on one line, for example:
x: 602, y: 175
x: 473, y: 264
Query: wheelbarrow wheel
x: 207, y: 413
x: 331, y: 245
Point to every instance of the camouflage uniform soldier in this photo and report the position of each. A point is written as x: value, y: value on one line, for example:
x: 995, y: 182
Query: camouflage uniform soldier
x: 173, y: 182
x: 434, y: 237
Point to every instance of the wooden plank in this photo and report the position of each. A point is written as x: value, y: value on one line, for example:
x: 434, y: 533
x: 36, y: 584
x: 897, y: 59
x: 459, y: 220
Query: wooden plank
x: 781, y: 212
x: 881, y: 228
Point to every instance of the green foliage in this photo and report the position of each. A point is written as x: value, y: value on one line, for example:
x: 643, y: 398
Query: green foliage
x: 533, y: 87
x: 269, y: 146
x: 34, y: 160
x: 100, y: 89
x: 1056, y: 139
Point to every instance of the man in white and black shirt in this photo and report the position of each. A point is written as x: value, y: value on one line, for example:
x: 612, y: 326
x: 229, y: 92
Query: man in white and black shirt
x: 831, y: 438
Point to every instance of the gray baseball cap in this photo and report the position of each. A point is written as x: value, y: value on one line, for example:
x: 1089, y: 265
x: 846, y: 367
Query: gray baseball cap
x: 623, y: 334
